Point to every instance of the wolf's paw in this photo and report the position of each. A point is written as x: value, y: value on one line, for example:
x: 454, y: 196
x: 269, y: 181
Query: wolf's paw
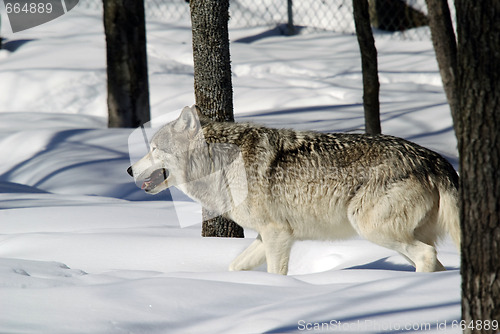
x: 234, y: 267
x: 239, y: 265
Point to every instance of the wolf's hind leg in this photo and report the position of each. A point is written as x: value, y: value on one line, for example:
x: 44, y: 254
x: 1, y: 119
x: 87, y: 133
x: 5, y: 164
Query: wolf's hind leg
x: 422, y: 256
x: 403, y: 220
x: 252, y: 257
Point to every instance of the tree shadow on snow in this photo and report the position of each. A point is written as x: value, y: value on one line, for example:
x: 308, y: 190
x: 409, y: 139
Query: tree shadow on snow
x: 18, y: 188
x: 114, y: 163
x: 12, y: 46
x: 322, y: 114
x: 279, y: 30
x: 384, y: 264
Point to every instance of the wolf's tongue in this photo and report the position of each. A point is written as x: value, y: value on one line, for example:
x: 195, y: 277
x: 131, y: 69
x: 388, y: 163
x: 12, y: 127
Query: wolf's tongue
x: 145, y: 184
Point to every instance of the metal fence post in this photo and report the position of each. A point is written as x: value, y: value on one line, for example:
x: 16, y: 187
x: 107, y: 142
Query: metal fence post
x: 291, y: 27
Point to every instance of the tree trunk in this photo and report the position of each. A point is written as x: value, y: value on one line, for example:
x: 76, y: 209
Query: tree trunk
x: 445, y: 47
x: 127, y: 69
x: 212, y: 83
x: 369, y: 67
x: 478, y: 132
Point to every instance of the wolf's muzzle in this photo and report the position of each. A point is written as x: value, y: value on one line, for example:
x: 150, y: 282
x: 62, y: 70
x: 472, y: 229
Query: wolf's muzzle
x: 155, y: 179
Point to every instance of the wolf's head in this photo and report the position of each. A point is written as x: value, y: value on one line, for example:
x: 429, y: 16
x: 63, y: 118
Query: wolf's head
x: 165, y: 164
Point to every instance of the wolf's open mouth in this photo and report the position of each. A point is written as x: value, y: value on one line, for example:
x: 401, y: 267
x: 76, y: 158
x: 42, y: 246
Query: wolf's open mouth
x: 157, y: 177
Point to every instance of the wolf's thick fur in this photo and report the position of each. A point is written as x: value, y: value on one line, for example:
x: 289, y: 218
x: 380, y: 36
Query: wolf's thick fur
x: 308, y: 185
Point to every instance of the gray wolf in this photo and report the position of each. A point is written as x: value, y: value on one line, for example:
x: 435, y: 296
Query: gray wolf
x: 295, y: 185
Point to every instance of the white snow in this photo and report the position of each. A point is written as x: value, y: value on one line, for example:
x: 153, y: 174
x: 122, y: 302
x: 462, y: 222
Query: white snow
x: 83, y: 250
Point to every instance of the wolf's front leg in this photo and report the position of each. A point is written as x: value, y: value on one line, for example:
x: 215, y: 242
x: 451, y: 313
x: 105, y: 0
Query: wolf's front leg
x: 251, y: 257
x: 277, y: 244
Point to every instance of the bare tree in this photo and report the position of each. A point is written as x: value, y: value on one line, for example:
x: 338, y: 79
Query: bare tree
x: 127, y: 69
x: 478, y: 80
x: 212, y: 82
x: 369, y: 67
x: 445, y: 46
x: 470, y: 70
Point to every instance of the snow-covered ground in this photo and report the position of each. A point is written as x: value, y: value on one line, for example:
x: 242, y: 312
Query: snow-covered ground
x: 83, y: 250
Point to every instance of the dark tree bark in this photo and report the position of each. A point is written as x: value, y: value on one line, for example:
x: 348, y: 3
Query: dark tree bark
x: 445, y: 47
x: 369, y: 67
x: 127, y: 69
x: 212, y: 82
x: 478, y: 133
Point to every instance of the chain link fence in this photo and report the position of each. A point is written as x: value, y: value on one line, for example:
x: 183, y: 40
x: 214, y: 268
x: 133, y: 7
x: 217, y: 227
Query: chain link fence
x: 393, y: 18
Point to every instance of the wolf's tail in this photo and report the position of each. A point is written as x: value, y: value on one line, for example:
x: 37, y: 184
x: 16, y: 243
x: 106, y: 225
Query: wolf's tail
x: 448, y: 215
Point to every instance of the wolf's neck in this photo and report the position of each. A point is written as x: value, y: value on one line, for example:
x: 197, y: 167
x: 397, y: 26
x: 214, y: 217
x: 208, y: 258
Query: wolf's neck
x: 215, y: 176
x: 226, y: 132
x: 210, y: 191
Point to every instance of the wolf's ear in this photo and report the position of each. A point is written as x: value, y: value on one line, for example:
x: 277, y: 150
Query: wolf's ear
x: 201, y: 117
x: 188, y: 121
x: 197, y: 110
